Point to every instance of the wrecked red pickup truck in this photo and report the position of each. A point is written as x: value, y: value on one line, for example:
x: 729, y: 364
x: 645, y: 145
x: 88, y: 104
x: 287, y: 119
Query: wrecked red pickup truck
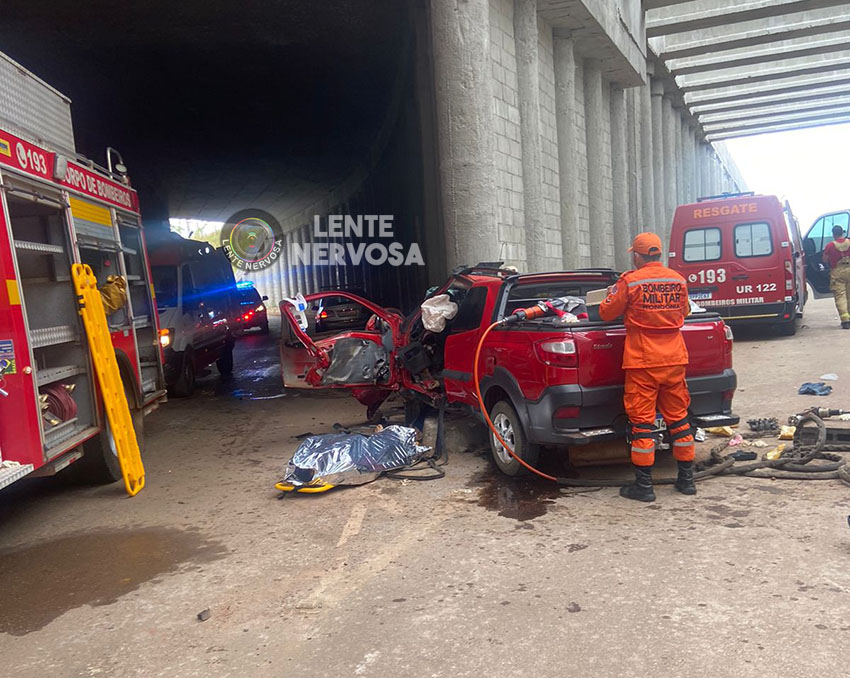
x: 544, y: 382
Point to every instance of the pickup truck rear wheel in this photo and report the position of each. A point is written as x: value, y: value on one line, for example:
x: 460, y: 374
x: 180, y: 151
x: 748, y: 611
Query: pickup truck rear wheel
x: 507, y: 423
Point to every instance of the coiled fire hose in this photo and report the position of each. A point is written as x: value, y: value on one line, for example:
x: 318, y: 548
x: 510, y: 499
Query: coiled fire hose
x: 59, y: 402
x: 792, y: 465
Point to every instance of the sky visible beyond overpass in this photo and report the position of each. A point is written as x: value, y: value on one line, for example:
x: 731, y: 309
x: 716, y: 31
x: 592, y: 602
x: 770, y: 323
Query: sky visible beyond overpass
x: 808, y: 167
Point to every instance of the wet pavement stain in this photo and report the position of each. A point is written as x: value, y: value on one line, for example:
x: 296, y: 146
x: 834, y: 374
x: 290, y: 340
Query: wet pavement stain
x: 518, y: 498
x: 47, y: 579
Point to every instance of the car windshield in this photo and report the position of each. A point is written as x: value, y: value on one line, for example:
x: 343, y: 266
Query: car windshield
x: 165, y: 286
x: 249, y: 297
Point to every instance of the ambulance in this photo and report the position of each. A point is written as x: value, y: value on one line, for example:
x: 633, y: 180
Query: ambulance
x: 742, y: 256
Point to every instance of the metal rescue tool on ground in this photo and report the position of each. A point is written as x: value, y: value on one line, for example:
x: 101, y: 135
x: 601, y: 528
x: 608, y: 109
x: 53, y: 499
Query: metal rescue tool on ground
x: 109, y: 378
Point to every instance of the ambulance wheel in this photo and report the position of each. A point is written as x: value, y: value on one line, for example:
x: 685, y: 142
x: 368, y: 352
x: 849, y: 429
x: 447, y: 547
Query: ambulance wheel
x: 185, y: 383
x: 789, y: 329
x: 506, y: 422
x: 99, y: 465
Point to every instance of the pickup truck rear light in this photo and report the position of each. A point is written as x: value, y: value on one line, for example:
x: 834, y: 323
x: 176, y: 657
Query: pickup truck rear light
x: 557, y: 353
x: 729, y: 335
x: 568, y: 412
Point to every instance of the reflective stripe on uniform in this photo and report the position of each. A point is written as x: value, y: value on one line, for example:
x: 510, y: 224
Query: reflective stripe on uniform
x: 643, y: 450
x: 680, y: 443
x: 656, y: 280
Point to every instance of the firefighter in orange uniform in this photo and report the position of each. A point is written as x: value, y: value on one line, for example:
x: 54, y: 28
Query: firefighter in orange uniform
x: 653, y: 301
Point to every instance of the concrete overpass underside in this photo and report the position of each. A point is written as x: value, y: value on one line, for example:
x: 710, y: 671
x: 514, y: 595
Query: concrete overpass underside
x: 759, y: 66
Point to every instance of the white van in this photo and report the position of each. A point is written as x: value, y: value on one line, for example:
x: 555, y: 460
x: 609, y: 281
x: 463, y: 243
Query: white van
x: 197, y: 300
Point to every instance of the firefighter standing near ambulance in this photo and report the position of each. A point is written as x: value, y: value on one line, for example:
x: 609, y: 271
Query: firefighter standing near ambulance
x: 836, y: 255
x: 653, y: 301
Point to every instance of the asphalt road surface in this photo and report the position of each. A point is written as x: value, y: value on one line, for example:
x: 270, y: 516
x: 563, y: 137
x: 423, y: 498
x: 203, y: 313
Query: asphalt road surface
x: 471, y: 575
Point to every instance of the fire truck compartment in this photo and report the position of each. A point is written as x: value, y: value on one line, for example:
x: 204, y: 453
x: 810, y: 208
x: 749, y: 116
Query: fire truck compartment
x: 44, y: 263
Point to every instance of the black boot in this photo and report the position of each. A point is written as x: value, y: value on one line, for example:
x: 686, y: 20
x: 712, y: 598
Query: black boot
x: 641, y: 489
x: 845, y: 324
x: 685, y: 480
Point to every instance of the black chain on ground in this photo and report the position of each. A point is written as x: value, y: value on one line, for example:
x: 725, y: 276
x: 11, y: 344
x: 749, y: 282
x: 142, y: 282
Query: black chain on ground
x: 793, y: 464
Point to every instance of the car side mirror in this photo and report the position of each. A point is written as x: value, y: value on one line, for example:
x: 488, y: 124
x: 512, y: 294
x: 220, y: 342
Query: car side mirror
x: 265, y: 298
x: 809, y: 247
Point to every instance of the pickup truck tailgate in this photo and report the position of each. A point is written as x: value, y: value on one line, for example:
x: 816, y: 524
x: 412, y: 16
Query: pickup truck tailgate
x: 600, y: 351
x: 599, y: 391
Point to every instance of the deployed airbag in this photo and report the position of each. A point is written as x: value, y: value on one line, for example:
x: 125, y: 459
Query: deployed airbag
x: 436, y: 311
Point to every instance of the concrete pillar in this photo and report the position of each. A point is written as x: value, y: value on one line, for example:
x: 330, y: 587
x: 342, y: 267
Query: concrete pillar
x: 528, y: 90
x: 565, y: 118
x: 304, y: 286
x: 283, y: 275
x: 314, y: 271
x: 619, y: 182
x: 647, y: 165
x: 597, y: 124
x: 705, y: 169
x: 678, y: 126
x: 658, y: 166
x: 465, y: 129
x: 697, y: 164
x: 634, y: 175
x: 688, y: 188
x: 670, y: 161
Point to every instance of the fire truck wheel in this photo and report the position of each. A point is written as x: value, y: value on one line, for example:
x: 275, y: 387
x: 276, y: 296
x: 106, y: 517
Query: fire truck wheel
x: 99, y: 465
x: 185, y: 384
x: 507, y: 423
x: 225, y: 363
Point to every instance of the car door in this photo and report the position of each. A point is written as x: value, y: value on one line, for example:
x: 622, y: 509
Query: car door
x: 354, y: 358
x: 816, y: 240
x: 464, y: 333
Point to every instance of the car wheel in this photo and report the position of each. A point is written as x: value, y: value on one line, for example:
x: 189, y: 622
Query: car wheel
x: 225, y: 363
x: 265, y: 328
x: 185, y: 383
x: 506, y: 422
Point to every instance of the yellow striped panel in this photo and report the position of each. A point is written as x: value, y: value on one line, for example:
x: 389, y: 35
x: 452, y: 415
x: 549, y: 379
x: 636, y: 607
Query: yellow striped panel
x: 90, y: 212
x: 12, y: 291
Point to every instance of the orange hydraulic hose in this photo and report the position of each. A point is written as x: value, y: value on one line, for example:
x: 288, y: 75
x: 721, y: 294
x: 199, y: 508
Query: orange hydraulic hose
x: 487, y: 415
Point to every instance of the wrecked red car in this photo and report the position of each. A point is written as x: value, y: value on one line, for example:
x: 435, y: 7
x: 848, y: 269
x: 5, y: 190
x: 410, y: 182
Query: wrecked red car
x: 544, y: 382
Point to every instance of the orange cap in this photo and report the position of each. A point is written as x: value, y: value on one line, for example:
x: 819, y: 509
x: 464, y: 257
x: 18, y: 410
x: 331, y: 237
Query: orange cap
x: 646, y: 243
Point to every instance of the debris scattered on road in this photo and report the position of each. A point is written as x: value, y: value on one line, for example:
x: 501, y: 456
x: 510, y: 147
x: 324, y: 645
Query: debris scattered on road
x: 332, y: 459
x: 203, y: 615
x: 758, y: 443
x: 736, y: 440
x: 740, y: 455
x: 831, y: 376
x: 573, y: 607
x: 699, y: 435
x: 815, y: 388
x: 776, y: 452
x: 787, y: 432
x: 765, y: 424
x: 724, y: 431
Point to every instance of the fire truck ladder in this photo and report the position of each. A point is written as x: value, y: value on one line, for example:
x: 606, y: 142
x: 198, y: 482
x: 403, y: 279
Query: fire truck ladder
x: 109, y: 378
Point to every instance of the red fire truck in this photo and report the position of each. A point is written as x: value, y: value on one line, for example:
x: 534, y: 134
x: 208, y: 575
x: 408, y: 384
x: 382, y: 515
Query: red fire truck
x: 56, y: 209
